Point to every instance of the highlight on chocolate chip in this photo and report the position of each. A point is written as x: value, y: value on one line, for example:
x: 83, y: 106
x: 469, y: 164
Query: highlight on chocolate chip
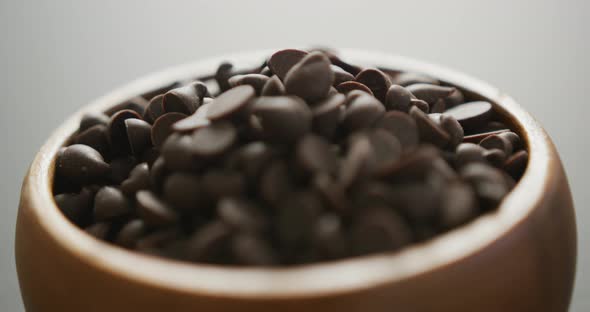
x: 306, y: 158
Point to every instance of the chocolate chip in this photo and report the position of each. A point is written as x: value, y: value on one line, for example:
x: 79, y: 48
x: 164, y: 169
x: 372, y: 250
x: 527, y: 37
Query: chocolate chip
x: 99, y: 230
x: 340, y: 75
x: 282, y: 118
x: 130, y: 233
x: 410, y: 78
x: 471, y: 114
x: 162, y: 127
x: 430, y: 93
x: 177, y: 151
x: 376, y: 80
x: 118, y: 130
x: 296, y: 216
x: 184, y: 191
x: 194, y: 121
x: 139, y: 179
x: 402, y: 126
x: 488, y: 182
x: 516, y: 164
x: 398, y: 98
x: 282, y: 61
x: 90, y: 120
x: 249, y: 249
x: 327, y: 115
x: 379, y: 229
x: 362, y: 112
x: 186, y: 99
x: 467, y: 153
x: 153, y: 211
x: 81, y: 163
x: 213, y: 140
x: 222, y: 183
x: 476, y: 138
x: 121, y: 167
x: 257, y: 81
x: 136, y: 104
x: 332, y: 193
x: 311, y: 78
x: 328, y: 237
x: 96, y: 137
x: 251, y: 159
x: 275, y: 182
x: 356, y: 162
x: 438, y: 107
x: 273, y: 87
x: 349, y: 86
x: 315, y: 154
x: 495, y: 157
x: 155, y: 109
x: 421, y: 105
x: 224, y: 72
x: 230, y: 102
x: 458, y: 205
x: 139, y: 135
x: 428, y: 129
x: 241, y: 214
x: 109, y: 203
x: 455, y: 99
x: 497, y: 141
x: 208, y: 242
x: 386, y: 148
x: 453, y: 129
x: 77, y: 207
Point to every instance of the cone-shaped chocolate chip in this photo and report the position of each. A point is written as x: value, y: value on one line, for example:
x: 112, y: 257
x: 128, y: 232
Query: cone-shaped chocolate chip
x: 185, y: 99
x: 96, y: 137
x: 162, y: 127
x: 311, y: 78
x: 177, y: 151
x: 241, y: 214
x: 273, y: 87
x: 472, y: 114
x: 362, y: 112
x: 296, y: 216
x: 495, y: 157
x: 184, y: 191
x: 282, y: 118
x: 153, y: 211
x: 402, y: 126
x: 99, y: 230
x: 315, y: 154
x: 213, y: 140
x: 139, y: 135
x: 224, y: 72
x: 348, y: 86
x: 275, y: 182
x: 428, y: 129
x: 329, y: 238
x: 327, y: 114
x: 398, y: 98
x: 81, y: 163
x: 92, y: 119
x: 340, y: 75
x: 282, y: 61
x: 118, y: 131
x: 77, y: 207
x: 223, y: 183
x: 257, y: 81
x: 110, y: 203
x: 251, y: 159
x: 376, y: 80
x: 155, y: 109
x: 430, y: 93
x: 231, y: 102
x: 488, y: 182
x: 139, y: 179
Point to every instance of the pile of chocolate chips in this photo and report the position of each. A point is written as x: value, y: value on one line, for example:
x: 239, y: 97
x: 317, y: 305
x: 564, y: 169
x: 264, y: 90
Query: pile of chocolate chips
x: 306, y: 158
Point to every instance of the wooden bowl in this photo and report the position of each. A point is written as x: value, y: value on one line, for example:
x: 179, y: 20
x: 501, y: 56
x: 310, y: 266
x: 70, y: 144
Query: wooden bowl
x: 521, y: 257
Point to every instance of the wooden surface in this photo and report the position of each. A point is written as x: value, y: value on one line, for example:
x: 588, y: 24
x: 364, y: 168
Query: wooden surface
x: 520, y: 258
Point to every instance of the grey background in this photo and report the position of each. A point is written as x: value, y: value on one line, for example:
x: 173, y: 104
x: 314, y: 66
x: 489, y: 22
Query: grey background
x: 55, y: 56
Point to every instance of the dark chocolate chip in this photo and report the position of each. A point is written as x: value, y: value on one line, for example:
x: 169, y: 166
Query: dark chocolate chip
x: 376, y: 80
x: 349, y: 86
x: 311, y: 78
x: 77, y: 207
x: 429, y: 131
x: 273, y: 87
x: 241, y: 214
x: 130, y: 233
x: 252, y: 250
x: 184, y: 191
x: 139, y: 179
x: 92, y: 119
x: 224, y: 72
x: 315, y: 154
x: 282, y: 118
x: 467, y: 153
x: 194, y: 121
x: 121, y: 167
x: 516, y: 164
x: 340, y: 75
x: 153, y: 211
x: 430, y: 93
x: 257, y: 81
x: 96, y: 137
x: 214, y: 139
x: 155, y: 109
x: 402, y: 126
x: 379, y: 229
x: 362, y: 112
x: 186, y: 99
x: 81, y: 163
x: 282, y: 61
x: 208, y: 242
x: 458, y: 205
x: 472, y: 114
x: 162, y: 127
x: 139, y: 135
x: 231, y: 102
x: 398, y: 98
x: 118, y: 131
x: 109, y: 203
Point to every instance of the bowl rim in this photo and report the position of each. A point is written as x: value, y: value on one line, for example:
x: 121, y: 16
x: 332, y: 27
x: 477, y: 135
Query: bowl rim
x: 311, y: 280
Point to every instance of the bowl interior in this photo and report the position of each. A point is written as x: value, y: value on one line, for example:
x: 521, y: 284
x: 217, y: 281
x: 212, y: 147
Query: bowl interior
x: 304, y: 280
